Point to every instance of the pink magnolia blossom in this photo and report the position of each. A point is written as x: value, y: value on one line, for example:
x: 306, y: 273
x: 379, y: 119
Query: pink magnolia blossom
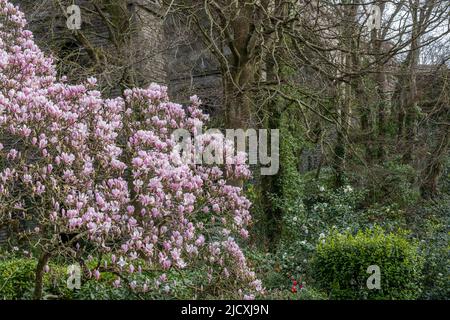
x: 72, y: 171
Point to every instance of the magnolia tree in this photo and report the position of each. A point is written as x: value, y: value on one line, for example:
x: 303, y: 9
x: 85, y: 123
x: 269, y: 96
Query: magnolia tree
x: 101, y: 182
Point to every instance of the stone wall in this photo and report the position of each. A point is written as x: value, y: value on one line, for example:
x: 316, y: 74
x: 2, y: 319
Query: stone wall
x: 192, y: 68
x: 160, y: 49
x: 150, y: 42
x: 134, y: 57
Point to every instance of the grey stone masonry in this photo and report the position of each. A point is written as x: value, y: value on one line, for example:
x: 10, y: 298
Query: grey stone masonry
x: 121, y: 44
x: 159, y: 48
x: 150, y: 39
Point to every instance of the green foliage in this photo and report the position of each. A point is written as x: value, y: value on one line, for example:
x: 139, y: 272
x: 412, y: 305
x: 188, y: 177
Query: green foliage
x: 280, y: 194
x: 17, y: 278
x: 290, y: 148
x: 436, y: 270
x: 277, y: 283
x: 390, y: 183
x: 93, y: 290
x: 322, y: 209
x: 431, y: 221
x: 341, y: 261
x: 388, y: 216
x: 184, y: 284
x: 333, y: 207
x: 303, y: 294
x: 259, y: 227
x: 444, y: 182
x: 267, y: 268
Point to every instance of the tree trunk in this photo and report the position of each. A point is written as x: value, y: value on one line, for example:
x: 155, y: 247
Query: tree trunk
x: 411, y: 106
x: 38, y: 283
x: 238, y: 97
x: 345, y: 93
x: 434, y: 168
x: 271, y: 188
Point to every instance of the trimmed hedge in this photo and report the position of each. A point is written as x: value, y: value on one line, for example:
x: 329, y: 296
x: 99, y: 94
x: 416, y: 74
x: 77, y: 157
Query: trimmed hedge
x: 341, y: 260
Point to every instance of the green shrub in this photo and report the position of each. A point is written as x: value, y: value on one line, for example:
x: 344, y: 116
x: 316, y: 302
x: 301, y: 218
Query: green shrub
x: 102, y: 290
x: 436, y: 271
x: 317, y: 212
x: 341, y: 260
x: 304, y: 294
x: 392, y: 182
x: 430, y: 221
x: 17, y: 278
